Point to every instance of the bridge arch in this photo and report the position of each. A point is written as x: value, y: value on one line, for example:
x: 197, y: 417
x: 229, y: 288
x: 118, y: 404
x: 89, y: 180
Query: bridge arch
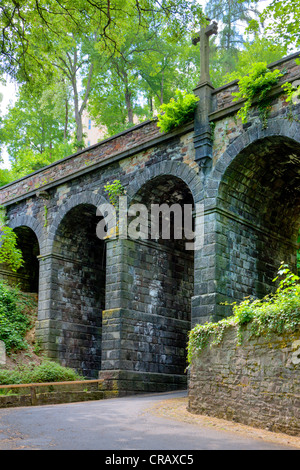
x: 276, y: 128
x: 31, y: 223
x: 84, y: 197
x: 161, y: 275
x: 180, y: 170
x: 257, y: 197
x: 30, y: 239
x: 78, y: 278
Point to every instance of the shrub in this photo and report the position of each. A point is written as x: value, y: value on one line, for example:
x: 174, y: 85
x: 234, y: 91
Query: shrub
x: 178, y: 111
x: 277, y: 313
x: 47, y: 371
x: 9, y: 253
x: 14, y: 323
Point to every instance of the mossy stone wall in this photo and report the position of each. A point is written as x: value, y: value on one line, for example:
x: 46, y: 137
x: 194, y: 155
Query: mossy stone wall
x: 256, y: 383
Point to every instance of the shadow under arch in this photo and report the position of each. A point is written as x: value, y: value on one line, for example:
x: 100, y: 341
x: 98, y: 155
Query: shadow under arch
x: 161, y: 279
x: 175, y: 169
x: 258, y: 205
x: 78, y: 285
x: 83, y: 198
x: 29, y: 241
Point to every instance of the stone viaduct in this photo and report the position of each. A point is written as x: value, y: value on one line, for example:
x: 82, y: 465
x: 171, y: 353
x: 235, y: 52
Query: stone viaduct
x: 121, y: 309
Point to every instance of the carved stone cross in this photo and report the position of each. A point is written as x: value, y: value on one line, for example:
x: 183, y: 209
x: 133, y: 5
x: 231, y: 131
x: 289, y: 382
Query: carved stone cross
x: 203, y: 37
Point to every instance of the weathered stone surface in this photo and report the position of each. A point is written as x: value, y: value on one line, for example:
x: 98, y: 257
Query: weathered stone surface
x: 126, y: 305
x: 256, y: 383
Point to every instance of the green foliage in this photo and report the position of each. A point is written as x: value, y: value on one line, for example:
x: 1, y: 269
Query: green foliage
x: 178, y: 111
x: 47, y: 371
x: 33, y: 133
x: 34, y: 26
x: 276, y: 313
x: 115, y: 190
x: 292, y: 92
x: 255, y: 87
x: 5, y: 177
x: 233, y: 14
x: 14, y: 322
x: 10, y: 254
x: 282, y: 19
x: 260, y: 49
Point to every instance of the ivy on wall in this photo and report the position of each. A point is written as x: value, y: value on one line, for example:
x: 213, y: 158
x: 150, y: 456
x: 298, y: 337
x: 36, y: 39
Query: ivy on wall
x: 276, y: 313
x: 254, y: 89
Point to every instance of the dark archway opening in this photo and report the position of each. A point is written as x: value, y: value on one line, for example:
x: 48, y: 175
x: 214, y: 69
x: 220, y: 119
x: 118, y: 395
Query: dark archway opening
x: 28, y: 275
x: 80, y: 268
x: 162, y: 286
x: 259, y: 217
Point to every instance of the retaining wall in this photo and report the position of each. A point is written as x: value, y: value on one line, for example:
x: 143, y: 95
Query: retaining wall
x: 257, y: 383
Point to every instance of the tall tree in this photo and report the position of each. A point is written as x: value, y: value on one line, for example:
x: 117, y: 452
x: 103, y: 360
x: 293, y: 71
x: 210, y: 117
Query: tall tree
x: 144, y: 74
x: 282, y: 22
x: 233, y: 16
x: 39, y: 35
x: 23, y: 23
x: 32, y: 133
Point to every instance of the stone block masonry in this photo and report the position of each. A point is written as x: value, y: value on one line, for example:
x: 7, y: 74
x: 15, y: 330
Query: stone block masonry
x: 256, y: 384
x: 121, y: 309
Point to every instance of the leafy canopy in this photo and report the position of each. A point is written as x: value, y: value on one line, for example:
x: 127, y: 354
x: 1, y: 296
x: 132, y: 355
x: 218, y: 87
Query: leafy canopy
x: 282, y: 20
x: 28, y: 24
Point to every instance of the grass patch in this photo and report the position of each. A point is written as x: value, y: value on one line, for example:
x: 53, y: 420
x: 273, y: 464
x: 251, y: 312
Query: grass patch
x: 47, y: 371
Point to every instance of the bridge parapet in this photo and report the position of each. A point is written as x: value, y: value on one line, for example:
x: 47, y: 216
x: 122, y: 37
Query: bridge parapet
x: 145, y: 136
x: 222, y: 97
x: 118, y: 146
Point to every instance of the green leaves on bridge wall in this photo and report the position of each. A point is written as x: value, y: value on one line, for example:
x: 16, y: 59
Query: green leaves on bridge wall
x: 254, y: 89
x: 177, y: 112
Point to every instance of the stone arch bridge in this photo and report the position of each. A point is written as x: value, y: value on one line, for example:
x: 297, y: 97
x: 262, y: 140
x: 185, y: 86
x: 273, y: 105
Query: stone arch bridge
x: 121, y: 309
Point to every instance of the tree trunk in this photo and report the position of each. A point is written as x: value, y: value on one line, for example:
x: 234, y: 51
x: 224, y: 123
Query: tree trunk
x: 162, y: 89
x: 129, y: 106
x: 66, y: 120
x: 150, y: 101
x: 79, y: 111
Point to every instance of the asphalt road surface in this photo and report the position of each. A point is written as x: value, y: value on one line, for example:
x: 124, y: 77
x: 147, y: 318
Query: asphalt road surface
x: 121, y: 424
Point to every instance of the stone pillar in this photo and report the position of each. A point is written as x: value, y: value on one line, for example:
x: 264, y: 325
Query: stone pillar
x: 115, y: 301
x: 47, y: 326
x: 203, y: 133
x: 202, y: 127
x: 137, y: 343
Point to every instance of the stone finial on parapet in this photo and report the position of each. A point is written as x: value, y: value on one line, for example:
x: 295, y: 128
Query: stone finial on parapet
x: 203, y: 37
x: 202, y: 129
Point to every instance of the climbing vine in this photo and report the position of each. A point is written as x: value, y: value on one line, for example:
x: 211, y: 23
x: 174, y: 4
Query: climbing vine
x: 115, y: 190
x: 276, y: 313
x: 254, y: 88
